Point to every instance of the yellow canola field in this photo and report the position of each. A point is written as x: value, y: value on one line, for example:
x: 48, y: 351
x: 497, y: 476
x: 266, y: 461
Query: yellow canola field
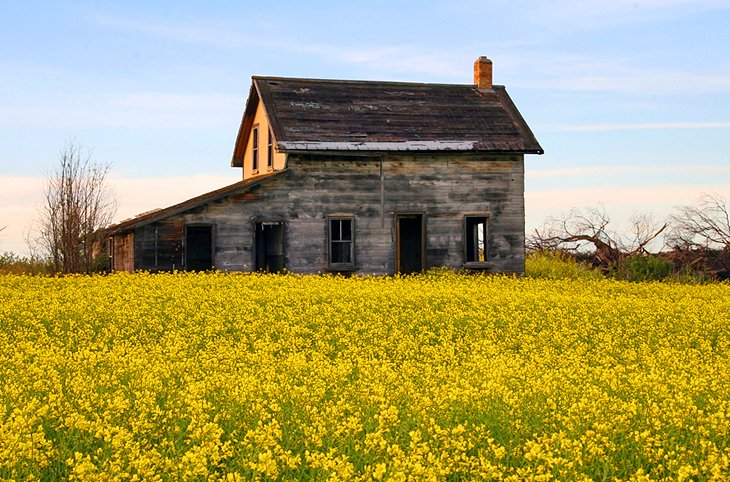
x: 435, y: 377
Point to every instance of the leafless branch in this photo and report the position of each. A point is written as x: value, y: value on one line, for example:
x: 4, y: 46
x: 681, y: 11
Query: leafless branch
x: 76, y: 204
x: 704, y: 225
x: 644, y: 230
x: 588, y: 231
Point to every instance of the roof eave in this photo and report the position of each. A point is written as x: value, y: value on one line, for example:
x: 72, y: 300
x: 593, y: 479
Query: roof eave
x: 249, y: 112
x: 532, y: 146
x: 298, y: 147
x: 258, y: 93
x: 374, y: 152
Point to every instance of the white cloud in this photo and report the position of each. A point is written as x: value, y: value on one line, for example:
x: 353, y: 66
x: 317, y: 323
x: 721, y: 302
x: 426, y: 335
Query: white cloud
x: 646, y: 81
x: 631, y: 126
x: 134, y: 110
x: 380, y: 59
x: 168, y: 101
x: 136, y: 196
x: 405, y: 59
x: 624, y: 74
x: 620, y: 202
x: 210, y: 33
x: 663, y: 170
x: 634, y: 197
x: 566, y: 72
x: 21, y: 197
x: 588, y: 15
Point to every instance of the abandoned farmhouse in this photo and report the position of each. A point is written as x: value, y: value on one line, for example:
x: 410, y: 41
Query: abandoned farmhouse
x: 354, y: 176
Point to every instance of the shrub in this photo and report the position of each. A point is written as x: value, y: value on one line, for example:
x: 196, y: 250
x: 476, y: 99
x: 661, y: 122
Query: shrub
x: 11, y: 263
x: 686, y: 275
x: 558, y: 265
x: 644, y: 267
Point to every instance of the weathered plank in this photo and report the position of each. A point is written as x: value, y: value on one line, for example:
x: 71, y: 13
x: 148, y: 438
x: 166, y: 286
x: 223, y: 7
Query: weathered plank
x: 442, y: 188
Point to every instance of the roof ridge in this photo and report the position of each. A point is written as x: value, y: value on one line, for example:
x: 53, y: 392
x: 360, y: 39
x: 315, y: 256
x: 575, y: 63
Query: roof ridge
x: 360, y: 81
x: 362, y: 115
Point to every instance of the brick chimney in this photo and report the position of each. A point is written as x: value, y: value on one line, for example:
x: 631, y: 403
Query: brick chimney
x: 483, y: 73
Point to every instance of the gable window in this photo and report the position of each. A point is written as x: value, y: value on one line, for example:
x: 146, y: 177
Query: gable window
x: 475, y: 239
x: 255, y: 156
x: 270, y: 152
x: 341, y: 241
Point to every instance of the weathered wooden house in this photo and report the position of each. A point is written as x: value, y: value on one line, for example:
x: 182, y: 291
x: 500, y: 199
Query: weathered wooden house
x: 354, y: 176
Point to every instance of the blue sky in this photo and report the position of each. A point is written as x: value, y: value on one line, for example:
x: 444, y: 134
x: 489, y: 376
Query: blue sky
x: 629, y: 99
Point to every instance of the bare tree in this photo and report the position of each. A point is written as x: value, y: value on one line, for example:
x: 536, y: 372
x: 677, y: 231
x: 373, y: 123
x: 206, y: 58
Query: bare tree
x: 700, y: 236
x: 644, y: 230
x: 703, y: 225
x: 77, y: 203
x: 588, y: 231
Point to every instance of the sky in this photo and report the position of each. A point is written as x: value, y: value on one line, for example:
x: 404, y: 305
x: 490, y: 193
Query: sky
x: 629, y: 99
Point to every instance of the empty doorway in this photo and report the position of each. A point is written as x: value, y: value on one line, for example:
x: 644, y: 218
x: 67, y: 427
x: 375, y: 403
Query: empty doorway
x: 269, y: 247
x: 199, y: 247
x: 409, y: 249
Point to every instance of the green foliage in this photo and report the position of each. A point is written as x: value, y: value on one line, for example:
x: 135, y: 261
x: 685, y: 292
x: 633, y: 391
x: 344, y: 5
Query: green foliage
x: 558, y: 265
x: 644, y: 267
x: 686, y: 275
x: 11, y: 263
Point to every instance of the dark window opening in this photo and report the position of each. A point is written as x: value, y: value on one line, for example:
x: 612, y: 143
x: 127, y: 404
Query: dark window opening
x: 199, y: 248
x: 255, y: 154
x: 476, y: 239
x: 110, y: 252
x: 409, y: 243
x: 270, y: 152
x: 269, y: 247
x: 341, y: 242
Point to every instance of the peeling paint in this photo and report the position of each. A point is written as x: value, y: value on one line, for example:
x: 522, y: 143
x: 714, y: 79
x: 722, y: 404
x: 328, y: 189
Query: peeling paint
x: 404, y: 92
x: 309, y: 105
x: 367, y: 107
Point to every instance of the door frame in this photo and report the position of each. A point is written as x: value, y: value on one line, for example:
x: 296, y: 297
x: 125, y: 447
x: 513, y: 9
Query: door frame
x: 255, y: 251
x: 409, y: 215
x: 212, y: 242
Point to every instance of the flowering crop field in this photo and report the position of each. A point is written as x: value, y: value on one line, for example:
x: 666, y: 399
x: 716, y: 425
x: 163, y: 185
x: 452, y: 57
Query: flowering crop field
x: 432, y: 377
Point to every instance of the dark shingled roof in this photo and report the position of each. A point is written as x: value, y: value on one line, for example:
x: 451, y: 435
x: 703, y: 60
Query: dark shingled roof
x: 344, y: 115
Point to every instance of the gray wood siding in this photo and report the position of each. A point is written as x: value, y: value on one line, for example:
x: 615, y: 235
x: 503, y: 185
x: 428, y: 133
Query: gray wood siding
x: 442, y: 187
x: 159, y: 246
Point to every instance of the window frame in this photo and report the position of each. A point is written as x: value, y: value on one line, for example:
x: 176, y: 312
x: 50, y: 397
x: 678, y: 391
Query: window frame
x: 255, y: 149
x: 341, y: 266
x: 479, y: 218
x: 270, y: 152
